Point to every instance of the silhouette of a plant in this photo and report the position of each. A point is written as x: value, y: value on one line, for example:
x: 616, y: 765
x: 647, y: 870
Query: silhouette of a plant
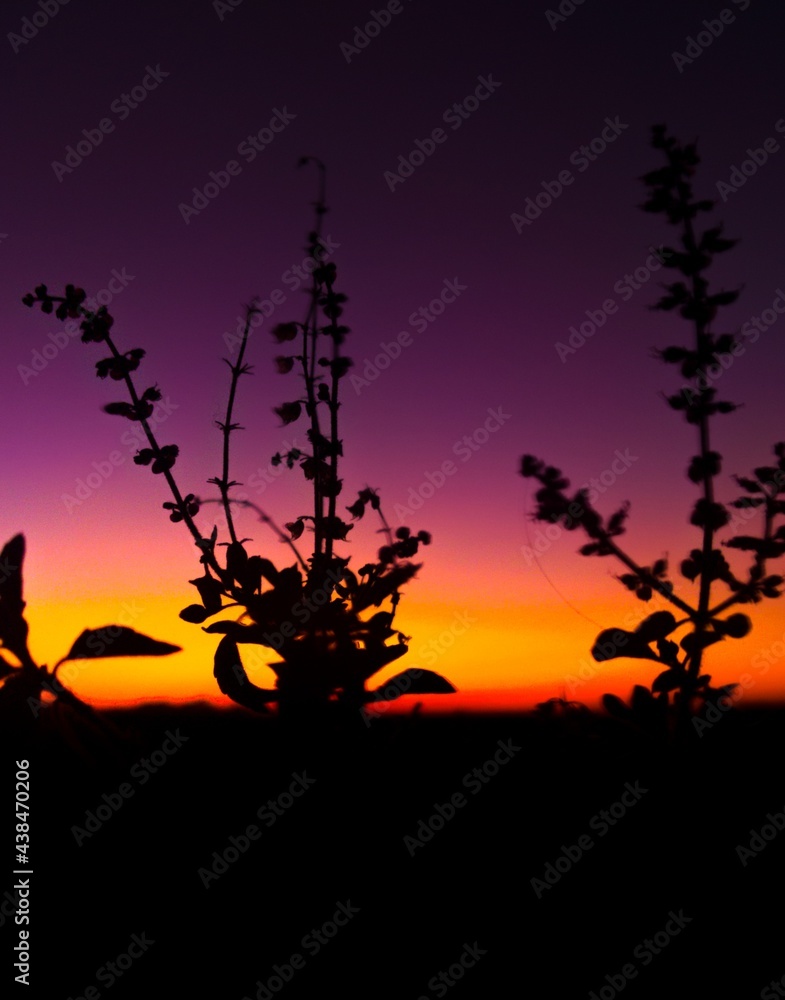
x: 25, y: 682
x: 670, y: 192
x: 309, y: 612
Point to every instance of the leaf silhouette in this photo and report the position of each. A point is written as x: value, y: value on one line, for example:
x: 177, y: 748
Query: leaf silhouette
x: 614, y: 642
x: 117, y: 640
x: 11, y: 559
x: 233, y: 681
x: 412, y: 681
x: 668, y: 680
x: 656, y: 626
x: 13, y: 627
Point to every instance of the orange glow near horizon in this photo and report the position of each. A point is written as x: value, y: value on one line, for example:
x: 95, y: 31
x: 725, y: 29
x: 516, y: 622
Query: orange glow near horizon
x: 508, y: 657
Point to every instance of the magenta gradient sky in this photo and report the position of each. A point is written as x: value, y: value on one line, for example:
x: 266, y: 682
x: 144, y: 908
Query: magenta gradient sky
x: 493, y: 348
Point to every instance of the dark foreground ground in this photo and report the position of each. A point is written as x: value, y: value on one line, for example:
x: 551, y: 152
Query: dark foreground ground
x: 656, y: 901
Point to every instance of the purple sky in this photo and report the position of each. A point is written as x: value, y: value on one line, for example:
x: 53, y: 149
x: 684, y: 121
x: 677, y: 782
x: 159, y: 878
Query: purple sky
x: 505, y: 100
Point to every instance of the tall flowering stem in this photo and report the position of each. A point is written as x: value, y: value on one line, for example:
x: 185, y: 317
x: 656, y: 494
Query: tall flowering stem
x: 671, y: 193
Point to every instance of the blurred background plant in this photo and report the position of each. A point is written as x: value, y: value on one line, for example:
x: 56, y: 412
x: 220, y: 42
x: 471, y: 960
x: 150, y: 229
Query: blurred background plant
x: 681, y: 688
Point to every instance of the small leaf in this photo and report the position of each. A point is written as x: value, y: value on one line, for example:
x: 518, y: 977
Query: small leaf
x: 668, y: 680
x: 699, y: 640
x: 295, y: 528
x: 194, y: 613
x: 736, y: 626
x: 210, y: 591
x: 120, y: 410
x: 656, y: 626
x: 284, y: 331
x: 117, y: 640
x: 236, y: 560
x: 412, y: 681
x: 288, y: 412
x: 612, y: 643
x: 689, y: 569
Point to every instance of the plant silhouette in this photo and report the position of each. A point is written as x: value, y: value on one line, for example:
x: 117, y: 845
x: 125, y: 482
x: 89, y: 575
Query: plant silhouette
x: 28, y: 689
x: 670, y: 192
x: 309, y: 612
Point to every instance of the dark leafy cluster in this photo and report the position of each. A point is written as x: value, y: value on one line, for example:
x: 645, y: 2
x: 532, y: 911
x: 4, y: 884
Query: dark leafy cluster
x: 572, y: 512
x: 308, y: 612
x: 670, y: 192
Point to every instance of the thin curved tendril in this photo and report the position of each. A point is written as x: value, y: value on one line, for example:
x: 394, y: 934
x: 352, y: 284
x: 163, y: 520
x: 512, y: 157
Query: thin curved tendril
x: 542, y: 570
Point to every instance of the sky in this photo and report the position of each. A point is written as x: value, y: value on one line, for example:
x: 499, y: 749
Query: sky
x: 483, y: 165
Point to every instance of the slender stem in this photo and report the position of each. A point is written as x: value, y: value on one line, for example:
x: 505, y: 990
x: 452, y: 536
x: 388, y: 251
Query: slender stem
x: 318, y: 522
x: 704, y: 597
x: 333, y: 405
x: 385, y: 524
x: 309, y: 372
x: 652, y: 581
x: 189, y: 522
x: 227, y: 427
